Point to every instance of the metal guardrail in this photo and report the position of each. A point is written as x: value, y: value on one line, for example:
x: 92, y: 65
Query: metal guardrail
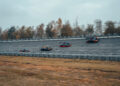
x: 54, y: 39
x: 68, y: 56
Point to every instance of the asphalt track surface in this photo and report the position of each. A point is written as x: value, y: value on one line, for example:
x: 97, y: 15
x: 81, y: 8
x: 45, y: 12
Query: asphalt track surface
x: 104, y: 47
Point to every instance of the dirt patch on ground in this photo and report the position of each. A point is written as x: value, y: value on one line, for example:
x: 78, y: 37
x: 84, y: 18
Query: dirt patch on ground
x: 27, y: 71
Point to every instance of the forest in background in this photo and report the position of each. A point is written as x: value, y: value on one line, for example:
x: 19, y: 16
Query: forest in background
x: 56, y: 29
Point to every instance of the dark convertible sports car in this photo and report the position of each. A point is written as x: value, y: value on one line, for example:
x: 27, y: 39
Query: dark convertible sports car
x: 24, y: 50
x: 46, y: 48
x: 92, y: 40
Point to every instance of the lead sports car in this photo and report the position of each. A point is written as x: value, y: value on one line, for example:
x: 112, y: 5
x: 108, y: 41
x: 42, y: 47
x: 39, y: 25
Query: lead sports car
x: 65, y: 44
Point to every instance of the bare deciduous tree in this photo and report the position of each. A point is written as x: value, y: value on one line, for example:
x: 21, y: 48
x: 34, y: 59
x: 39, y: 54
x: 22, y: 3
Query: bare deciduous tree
x: 110, y: 28
x: 78, y: 31
x: 4, y: 35
x: 0, y: 30
x: 49, y: 32
x: 40, y: 31
x: 89, y: 30
x: 29, y: 32
x: 11, y: 32
x: 66, y: 31
x: 117, y: 31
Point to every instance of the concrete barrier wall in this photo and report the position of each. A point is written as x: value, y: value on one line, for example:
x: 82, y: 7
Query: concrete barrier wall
x: 68, y: 56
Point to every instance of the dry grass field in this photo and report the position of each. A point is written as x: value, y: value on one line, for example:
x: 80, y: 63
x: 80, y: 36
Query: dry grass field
x: 31, y: 71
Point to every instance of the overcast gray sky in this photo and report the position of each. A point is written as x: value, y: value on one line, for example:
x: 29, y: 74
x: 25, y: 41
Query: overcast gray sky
x: 35, y: 12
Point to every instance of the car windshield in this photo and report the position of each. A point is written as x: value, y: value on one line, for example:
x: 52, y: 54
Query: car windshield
x: 65, y: 43
x: 45, y: 47
x: 91, y: 38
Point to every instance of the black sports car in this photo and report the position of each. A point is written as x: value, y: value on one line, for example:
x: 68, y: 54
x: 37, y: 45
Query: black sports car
x: 93, y: 39
x: 24, y: 50
x: 46, y: 48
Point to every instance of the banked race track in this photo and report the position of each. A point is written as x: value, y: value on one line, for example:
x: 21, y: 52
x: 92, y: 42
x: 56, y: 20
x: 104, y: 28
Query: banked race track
x: 106, y: 47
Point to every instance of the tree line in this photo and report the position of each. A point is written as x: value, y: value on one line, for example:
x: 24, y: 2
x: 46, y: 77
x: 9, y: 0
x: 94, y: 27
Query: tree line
x: 55, y: 29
